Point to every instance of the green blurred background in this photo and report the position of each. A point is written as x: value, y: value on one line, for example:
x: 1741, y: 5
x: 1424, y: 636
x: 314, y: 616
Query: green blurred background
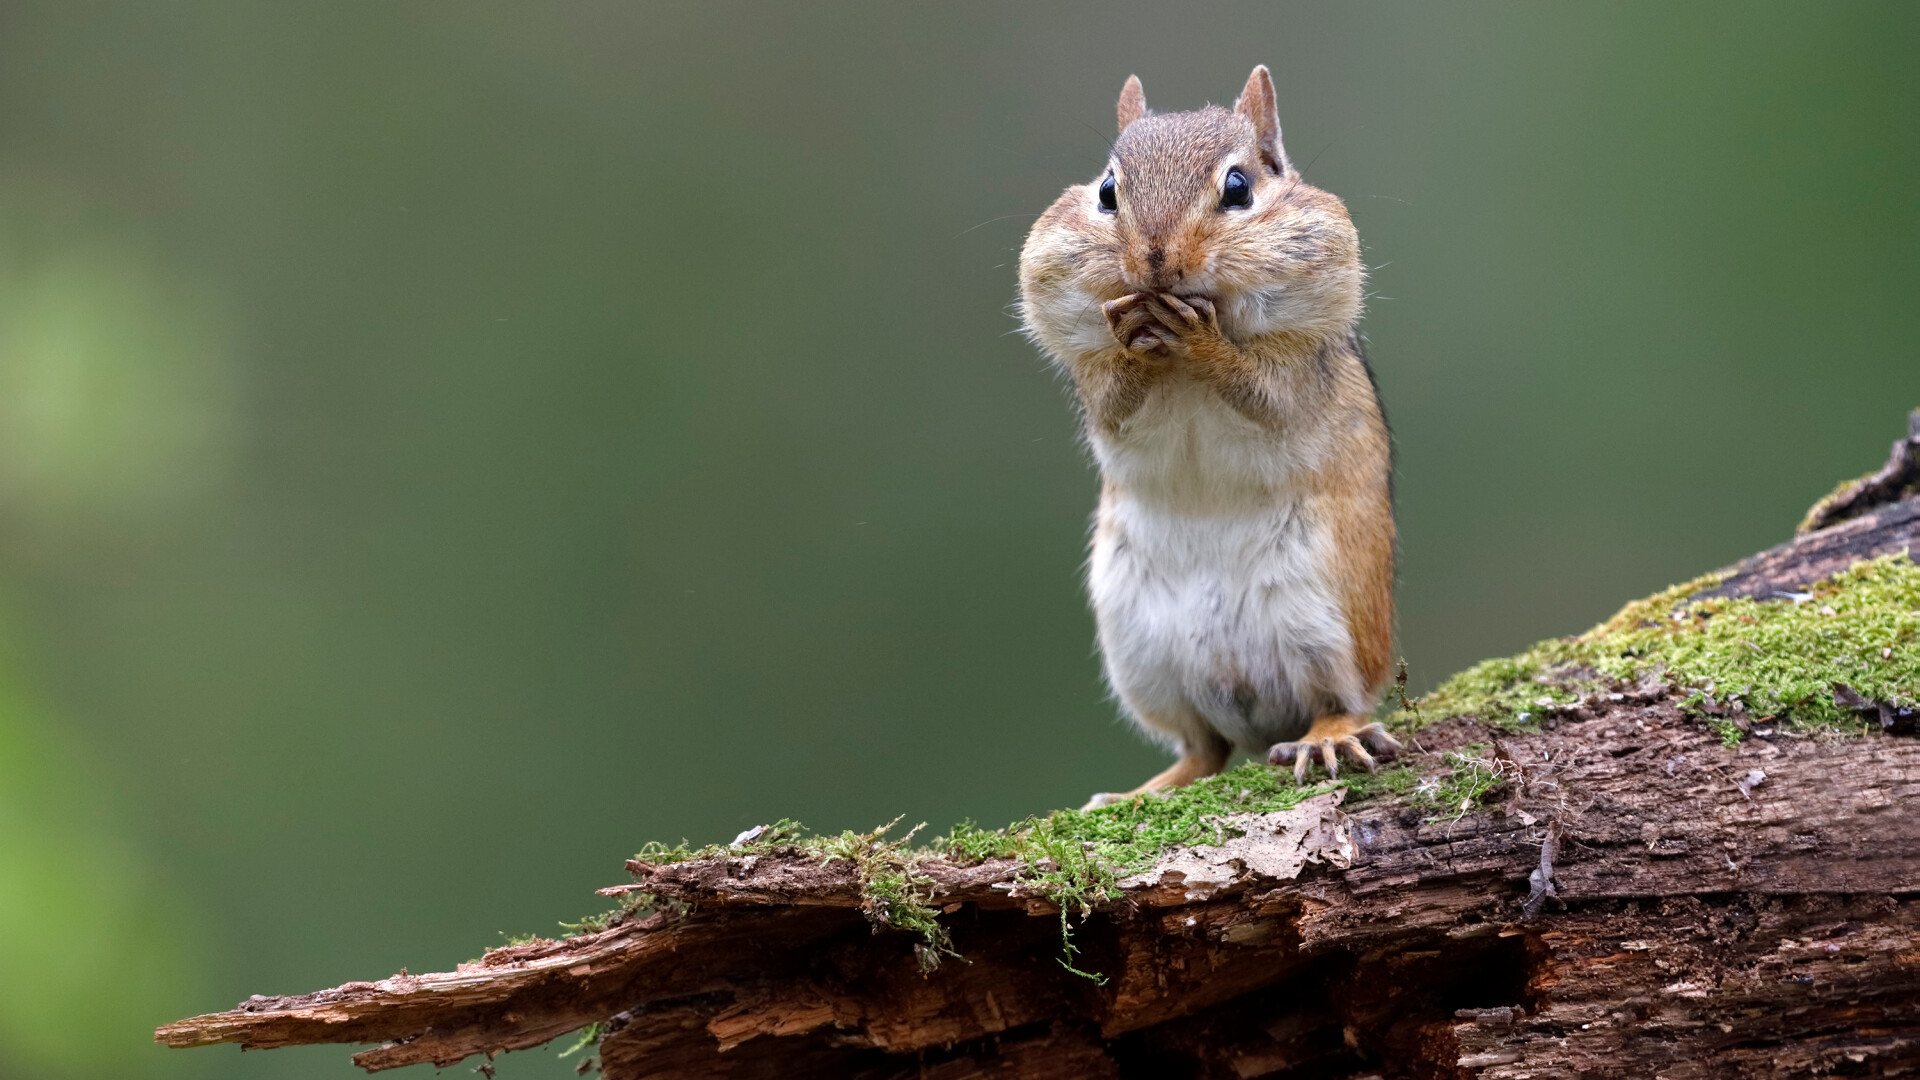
x: 444, y: 445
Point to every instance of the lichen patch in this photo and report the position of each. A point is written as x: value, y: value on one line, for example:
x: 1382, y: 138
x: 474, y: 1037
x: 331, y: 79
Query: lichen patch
x: 1267, y: 847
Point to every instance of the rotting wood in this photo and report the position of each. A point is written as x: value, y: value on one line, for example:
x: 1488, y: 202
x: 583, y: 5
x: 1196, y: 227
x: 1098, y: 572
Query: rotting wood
x: 1698, y: 911
x: 1897, y: 479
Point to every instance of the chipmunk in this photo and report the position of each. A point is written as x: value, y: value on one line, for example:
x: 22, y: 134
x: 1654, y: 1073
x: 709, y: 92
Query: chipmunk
x: 1203, y: 297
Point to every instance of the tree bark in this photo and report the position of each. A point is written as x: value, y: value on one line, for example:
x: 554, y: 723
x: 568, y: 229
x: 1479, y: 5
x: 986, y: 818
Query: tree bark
x: 1635, y: 900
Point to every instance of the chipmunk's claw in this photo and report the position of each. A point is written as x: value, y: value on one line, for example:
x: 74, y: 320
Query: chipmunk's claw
x: 1136, y: 324
x: 1332, y: 736
x: 1192, y: 314
x: 1159, y: 324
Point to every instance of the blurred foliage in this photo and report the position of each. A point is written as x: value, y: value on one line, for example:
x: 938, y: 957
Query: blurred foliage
x: 115, y: 389
x: 445, y: 445
x: 92, y: 939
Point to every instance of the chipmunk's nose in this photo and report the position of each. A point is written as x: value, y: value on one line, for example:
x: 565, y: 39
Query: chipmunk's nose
x: 1151, y: 270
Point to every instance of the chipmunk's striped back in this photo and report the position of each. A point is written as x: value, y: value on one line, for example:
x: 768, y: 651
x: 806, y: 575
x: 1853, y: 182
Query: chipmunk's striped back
x: 1203, y: 299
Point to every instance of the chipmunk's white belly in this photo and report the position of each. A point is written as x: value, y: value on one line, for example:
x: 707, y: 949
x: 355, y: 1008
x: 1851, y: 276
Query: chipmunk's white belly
x: 1208, y: 578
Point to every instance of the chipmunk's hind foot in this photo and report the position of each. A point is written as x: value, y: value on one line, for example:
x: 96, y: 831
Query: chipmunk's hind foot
x: 1201, y: 758
x: 1332, y: 736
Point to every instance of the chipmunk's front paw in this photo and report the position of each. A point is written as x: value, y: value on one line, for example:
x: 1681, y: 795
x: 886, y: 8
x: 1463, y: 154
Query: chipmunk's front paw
x: 1159, y: 326
x: 1191, y: 317
x: 1138, y: 322
x: 1332, y: 736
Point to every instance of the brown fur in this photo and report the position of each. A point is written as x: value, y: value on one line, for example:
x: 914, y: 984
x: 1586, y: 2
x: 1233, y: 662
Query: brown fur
x: 1133, y: 102
x: 1258, y: 304
x: 1198, y: 760
x: 1261, y: 108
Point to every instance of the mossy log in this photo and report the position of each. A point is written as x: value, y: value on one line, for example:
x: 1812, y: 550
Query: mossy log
x: 1633, y: 893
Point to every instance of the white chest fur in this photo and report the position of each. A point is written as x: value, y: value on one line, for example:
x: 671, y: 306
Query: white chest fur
x: 1209, y: 576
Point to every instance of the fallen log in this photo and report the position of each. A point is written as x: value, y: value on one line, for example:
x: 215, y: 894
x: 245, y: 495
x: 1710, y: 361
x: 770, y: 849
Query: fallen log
x: 1644, y: 872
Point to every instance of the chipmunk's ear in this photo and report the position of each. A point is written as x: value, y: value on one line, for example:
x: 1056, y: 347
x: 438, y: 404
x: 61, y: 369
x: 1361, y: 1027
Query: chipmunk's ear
x: 1257, y: 104
x: 1133, y: 102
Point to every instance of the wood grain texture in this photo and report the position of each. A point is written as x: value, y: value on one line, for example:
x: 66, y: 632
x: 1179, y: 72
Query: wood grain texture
x: 1708, y: 922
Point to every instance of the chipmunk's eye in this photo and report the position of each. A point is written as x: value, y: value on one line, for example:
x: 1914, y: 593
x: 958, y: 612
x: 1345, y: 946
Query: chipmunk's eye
x: 1107, y: 203
x: 1236, y: 191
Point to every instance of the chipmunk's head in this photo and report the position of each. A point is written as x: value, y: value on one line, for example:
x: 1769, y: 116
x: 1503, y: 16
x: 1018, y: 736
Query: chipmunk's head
x: 1205, y: 203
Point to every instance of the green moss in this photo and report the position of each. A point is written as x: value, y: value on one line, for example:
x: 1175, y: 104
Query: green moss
x: 589, y: 1035
x: 1471, y: 775
x: 1076, y: 858
x: 1777, y: 659
x: 1812, y: 516
x: 636, y: 905
x: 781, y: 834
x: 1505, y: 692
x: 893, y: 892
